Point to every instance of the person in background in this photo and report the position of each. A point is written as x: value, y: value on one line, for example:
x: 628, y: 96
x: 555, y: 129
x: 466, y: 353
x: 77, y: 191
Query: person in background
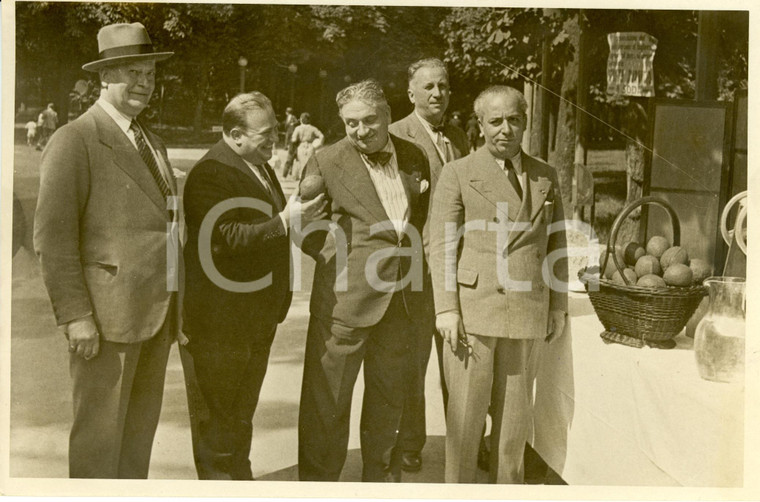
x: 111, y: 265
x: 306, y: 139
x: 456, y: 120
x: 473, y: 132
x: 31, y: 132
x: 429, y: 92
x: 49, y: 123
x: 289, y: 124
x: 493, y: 304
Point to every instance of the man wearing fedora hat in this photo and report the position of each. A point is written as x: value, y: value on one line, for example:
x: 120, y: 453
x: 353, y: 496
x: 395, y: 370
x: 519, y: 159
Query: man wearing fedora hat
x: 105, y: 232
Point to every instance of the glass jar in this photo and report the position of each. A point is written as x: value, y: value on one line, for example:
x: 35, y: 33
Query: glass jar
x: 719, y: 337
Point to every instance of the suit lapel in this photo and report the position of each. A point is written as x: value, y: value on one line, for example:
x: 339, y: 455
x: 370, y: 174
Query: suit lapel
x: 539, y: 187
x: 356, y: 179
x: 489, y: 180
x: 126, y: 157
x: 158, y: 146
x: 420, y: 136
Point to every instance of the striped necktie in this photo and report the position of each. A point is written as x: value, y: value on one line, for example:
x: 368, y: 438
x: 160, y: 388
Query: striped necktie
x: 149, y: 159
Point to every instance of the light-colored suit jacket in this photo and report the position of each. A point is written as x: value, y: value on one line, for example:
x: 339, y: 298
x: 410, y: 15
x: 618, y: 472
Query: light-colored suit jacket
x: 101, y: 230
x: 479, y: 279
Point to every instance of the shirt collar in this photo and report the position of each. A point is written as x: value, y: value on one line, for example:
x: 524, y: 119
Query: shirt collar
x: 516, y: 162
x: 121, y: 120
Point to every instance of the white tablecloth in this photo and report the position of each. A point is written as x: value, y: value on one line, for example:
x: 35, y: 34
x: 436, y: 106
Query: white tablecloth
x: 615, y: 415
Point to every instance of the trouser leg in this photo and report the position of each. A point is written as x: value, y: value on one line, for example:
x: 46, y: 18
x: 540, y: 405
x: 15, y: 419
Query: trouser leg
x: 413, y: 434
x: 390, y: 365
x: 230, y: 376
x: 469, y: 375
x: 511, y: 409
x: 196, y: 406
x: 117, y: 399
x: 334, y: 355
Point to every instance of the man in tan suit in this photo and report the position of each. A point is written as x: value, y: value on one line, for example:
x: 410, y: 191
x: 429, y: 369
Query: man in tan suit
x: 429, y: 92
x: 499, y: 288
x: 105, y: 233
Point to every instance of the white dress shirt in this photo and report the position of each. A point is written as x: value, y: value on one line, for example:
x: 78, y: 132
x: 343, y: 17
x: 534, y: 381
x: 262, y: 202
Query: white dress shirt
x: 390, y: 189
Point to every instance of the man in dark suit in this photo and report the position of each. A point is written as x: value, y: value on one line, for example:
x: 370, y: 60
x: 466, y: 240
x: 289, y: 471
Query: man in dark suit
x: 429, y: 92
x: 238, y: 287
x: 106, y: 199
x: 500, y: 290
x: 366, y: 292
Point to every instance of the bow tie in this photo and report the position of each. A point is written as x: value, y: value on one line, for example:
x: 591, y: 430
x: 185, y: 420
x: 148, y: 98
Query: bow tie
x: 379, y: 158
x: 438, y: 128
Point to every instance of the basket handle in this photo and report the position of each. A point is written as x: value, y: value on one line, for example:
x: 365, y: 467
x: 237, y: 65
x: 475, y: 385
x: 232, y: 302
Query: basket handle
x: 612, y: 237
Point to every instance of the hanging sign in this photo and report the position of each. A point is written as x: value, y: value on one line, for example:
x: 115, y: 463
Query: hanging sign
x: 630, y: 66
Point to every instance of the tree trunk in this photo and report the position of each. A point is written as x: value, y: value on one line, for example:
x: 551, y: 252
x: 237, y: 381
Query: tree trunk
x: 635, y: 128
x: 200, y: 99
x: 564, y: 155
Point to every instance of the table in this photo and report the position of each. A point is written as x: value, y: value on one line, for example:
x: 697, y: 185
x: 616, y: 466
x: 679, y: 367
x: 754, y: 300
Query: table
x: 615, y: 415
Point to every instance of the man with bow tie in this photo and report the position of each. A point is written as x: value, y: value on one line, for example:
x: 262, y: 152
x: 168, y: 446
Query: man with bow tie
x: 500, y: 288
x: 367, y: 290
x: 429, y: 92
x: 238, y: 277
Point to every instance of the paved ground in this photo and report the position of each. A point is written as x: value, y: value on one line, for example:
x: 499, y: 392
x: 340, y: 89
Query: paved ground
x: 41, y: 396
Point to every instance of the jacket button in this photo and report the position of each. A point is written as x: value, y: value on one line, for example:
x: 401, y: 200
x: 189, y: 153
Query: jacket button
x: 500, y: 290
x: 496, y: 219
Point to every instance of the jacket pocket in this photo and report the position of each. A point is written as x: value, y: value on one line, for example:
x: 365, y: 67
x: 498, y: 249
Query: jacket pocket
x: 467, y: 277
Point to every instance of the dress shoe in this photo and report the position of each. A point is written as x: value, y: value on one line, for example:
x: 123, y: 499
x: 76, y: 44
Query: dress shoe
x: 411, y: 461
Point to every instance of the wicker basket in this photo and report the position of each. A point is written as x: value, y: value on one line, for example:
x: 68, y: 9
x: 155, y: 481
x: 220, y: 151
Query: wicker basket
x: 637, y: 315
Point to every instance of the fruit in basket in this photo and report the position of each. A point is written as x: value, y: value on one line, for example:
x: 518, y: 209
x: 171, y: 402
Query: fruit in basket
x: 646, y: 265
x: 651, y: 281
x: 629, y: 274
x: 674, y: 255
x: 700, y: 270
x: 678, y: 274
x: 632, y: 252
x: 657, y: 245
x: 609, y: 269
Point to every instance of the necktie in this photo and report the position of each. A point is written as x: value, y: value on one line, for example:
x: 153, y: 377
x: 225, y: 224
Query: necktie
x: 149, y: 159
x: 269, y: 186
x: 380, y: 158
x: 444, y: 147
x: 512, y: 176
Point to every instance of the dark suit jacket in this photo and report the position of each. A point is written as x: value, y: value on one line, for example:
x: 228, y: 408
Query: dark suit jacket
x: 100, y: 230
x: 247, y: 244
x: 472, y: 190
x: 354, y: 207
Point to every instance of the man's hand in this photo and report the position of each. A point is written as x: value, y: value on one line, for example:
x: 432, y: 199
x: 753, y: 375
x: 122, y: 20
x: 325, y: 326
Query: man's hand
x: 84, y: 339
x: 309, y: 211
x: 556, y: 325
x: 449, y: 325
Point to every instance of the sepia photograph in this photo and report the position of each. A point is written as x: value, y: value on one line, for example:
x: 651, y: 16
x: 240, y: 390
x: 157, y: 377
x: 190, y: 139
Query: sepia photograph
x: 443, y: 245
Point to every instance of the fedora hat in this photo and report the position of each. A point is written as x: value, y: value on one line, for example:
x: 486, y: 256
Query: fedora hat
x: 124, y: 43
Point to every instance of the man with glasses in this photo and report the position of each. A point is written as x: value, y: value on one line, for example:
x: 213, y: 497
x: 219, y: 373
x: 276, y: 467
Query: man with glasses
x: 237, y: 285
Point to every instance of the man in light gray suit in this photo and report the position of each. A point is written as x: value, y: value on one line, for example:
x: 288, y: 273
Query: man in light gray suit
x: 429, y: 92
x: 499, y: 287
x: 104, y: 233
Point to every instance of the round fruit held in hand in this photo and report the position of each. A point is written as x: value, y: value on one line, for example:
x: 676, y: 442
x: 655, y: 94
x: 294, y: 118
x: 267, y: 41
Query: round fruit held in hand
x: 311, y: 186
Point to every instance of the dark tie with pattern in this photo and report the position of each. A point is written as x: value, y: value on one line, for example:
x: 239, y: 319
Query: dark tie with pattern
x: 149, y: 159
x: 444, y: 147
x: 512, y: 176
x: 269, y: 185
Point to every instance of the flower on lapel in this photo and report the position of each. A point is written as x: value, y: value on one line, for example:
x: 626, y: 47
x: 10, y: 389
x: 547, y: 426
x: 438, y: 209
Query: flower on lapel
x: 424, y: 185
